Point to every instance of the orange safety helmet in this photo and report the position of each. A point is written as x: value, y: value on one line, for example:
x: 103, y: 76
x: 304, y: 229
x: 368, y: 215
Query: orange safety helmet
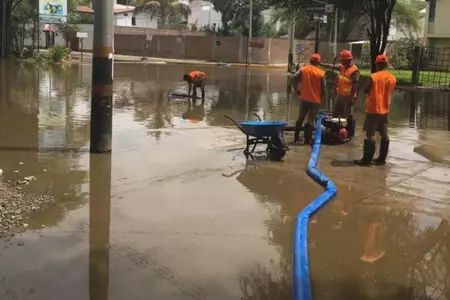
x: 315, y: 57
x: 381, y: 59
x: 345, y: 54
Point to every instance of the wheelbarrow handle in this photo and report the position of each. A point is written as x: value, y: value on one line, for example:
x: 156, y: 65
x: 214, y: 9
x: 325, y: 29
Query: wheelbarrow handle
x: 235, y: 123
x: 256, y: 115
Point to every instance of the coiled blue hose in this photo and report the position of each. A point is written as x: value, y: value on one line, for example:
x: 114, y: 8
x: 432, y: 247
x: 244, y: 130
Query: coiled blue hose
x: 302, y: 283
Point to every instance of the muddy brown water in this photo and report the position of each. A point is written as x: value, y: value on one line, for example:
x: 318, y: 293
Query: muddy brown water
x: 176, y: 212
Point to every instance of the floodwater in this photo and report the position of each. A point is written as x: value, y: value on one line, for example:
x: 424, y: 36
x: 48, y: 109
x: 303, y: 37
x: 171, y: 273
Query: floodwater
x: 176, y: 212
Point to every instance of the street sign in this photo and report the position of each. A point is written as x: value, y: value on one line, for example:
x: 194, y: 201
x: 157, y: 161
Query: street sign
x: 82, y: 35
x: 315, y: 8
x: 53, y: 11
x: 329, y: 8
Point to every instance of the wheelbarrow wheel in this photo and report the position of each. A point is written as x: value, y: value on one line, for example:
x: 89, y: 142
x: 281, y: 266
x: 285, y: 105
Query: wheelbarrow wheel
x: 276, y: 153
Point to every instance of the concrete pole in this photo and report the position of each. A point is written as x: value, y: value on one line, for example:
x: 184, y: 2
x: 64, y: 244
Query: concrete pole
x: 335, y: 33
x: 250, y: 30
x: 316, y: 47
x: 5, y: 5
x: 291, y: 33
x: 102, y: 77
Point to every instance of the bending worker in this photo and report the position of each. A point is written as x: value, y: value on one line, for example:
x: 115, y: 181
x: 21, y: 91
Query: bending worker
x: 196, y: 79
x: 346, y: 86
x: 380, y: 87
x: 310, y: 84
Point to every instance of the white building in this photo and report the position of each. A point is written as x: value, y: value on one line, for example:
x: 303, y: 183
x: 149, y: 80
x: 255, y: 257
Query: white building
x: 203, y: 13
x: 124, y: 16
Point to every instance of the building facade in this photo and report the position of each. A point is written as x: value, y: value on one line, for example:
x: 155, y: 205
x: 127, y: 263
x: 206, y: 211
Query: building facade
x: 437, y: 29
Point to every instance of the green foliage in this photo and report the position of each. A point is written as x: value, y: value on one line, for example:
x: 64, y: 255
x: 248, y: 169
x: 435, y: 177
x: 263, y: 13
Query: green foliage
x: 303, y: 26
x: 57, y: 54
x: 67, y: 31
x: 25, y: 52
x: 194, y: 26
x: 269, y: 29
x: 236, y: 14
x: 407, y: 16
x: 75, y: 18
x: 208, y: 28
x: 170, y: 13
x: 365, y: 56
x: 401, y: 53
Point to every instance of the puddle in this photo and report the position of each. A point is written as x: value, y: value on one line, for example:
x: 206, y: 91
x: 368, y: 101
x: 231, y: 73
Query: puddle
x: 177, y: 212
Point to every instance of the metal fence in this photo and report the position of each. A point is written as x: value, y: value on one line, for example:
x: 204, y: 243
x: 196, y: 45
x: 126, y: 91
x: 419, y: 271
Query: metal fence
x: 432, y: 67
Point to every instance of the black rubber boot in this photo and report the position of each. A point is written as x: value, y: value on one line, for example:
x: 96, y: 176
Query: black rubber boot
x: 369, y: 151
x: 384, y: 149
x: 298, y: 127
x: 308, y: 133
x: 351, y: 126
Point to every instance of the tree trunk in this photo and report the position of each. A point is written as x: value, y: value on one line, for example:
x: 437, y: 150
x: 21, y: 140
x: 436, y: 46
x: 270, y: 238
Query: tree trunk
x: 380, y: 14
x: 350, y: 19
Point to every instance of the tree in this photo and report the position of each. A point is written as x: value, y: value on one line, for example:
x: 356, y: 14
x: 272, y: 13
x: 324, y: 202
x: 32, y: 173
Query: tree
x: 68, y: 31
x: 380, y: 14
x: 168, y: 12
x: 269, y: 30
x: 407, y: 16
x: 235, y: 16
x: 6, y: 9
x: 349, y: 11
x: 303, y: 26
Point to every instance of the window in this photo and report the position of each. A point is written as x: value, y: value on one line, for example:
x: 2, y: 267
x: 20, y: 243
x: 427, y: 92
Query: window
x: 432, y: 14
x: 133, y: 21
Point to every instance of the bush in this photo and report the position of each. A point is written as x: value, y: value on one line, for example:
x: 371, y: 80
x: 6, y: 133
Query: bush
x: 58, y: 54
x: 401, y: 53
x: 25, y: 52
x: 365, y: 56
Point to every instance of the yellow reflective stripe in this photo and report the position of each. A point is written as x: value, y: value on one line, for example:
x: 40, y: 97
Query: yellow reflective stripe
x: 341, y: 77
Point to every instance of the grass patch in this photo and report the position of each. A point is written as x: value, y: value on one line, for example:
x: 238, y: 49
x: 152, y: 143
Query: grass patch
x: 403, y: 76
x: 427, y: 78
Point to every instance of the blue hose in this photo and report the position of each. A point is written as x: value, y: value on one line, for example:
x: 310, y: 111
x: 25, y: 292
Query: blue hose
x: 302, y: 283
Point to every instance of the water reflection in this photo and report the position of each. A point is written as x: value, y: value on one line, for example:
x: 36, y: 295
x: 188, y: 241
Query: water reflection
x: 99, y: 225
x: 377, y: 252
x: 371, y: 251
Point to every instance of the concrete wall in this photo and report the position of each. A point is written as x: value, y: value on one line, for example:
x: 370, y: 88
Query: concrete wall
x: 211, y: 48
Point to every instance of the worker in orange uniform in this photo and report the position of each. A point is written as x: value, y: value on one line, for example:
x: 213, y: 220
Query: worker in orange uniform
x: 380, y: 87
x: 196, y: 79
x: 309, y: 81
x: 346, y: 87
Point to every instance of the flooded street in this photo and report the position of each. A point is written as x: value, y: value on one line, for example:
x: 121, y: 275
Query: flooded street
x: 176, y: 212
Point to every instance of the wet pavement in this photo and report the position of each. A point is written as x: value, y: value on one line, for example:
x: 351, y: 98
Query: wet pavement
x: 176, y: 212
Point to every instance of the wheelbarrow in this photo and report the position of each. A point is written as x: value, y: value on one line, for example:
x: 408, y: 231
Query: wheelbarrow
x: 263, y: 132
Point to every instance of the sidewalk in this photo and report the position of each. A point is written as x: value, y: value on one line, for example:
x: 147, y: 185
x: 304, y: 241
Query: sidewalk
x: 87, y: 57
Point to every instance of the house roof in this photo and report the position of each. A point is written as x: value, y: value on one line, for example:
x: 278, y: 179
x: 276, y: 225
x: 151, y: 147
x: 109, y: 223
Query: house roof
x: 118, y: 9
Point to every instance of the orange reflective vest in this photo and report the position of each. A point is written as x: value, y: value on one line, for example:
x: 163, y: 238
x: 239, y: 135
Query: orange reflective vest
x: 344, y: 86
x: 379, y: 99
x: 311, y: 84
x: 194, y: 74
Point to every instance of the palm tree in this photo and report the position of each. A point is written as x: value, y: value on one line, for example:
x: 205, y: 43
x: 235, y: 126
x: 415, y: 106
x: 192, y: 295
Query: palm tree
x: 166, y: 11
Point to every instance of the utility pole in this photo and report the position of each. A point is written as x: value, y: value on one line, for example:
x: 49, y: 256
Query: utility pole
x: 250, y: 29
x: 102, y: 77
x: 335, y: 32
x: 5, y: 5
x: 291, y: 32
x: 316, y: 48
